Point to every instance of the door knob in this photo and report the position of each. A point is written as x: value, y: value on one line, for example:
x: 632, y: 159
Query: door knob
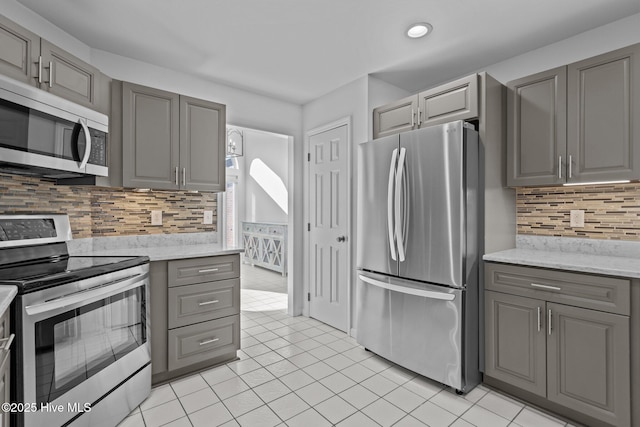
x: 342, y: 239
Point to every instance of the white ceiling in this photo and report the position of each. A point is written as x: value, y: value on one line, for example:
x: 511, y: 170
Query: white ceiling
x: 298, y: 50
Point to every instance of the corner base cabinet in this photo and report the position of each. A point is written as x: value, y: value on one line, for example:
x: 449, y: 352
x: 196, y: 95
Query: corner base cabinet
x: 563, y: 337
x: 195, y: 314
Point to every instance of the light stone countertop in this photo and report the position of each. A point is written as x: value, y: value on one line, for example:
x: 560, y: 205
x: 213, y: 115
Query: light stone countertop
x: 612, y: 258
x: 7, y: 294
x: 159, y: 247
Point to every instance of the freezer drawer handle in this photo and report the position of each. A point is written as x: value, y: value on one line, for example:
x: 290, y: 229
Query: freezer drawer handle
x: 409, y: 291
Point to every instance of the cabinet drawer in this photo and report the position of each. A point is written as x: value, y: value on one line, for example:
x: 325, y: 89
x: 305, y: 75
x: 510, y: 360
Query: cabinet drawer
x: 203, y: 341
x: 602, y: 293
x: 204, y: 301
x: 457, y: 100
x: 206, y: 269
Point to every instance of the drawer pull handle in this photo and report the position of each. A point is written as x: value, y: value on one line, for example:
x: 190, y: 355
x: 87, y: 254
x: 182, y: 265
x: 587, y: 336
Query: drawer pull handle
x: 553, y: 288
x: 205, y: 342
x: 6, y: 342
x: 208, y: 302
x: 208, y: 270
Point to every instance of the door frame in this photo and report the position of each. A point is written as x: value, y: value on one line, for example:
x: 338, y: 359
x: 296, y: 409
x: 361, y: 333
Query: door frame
x: 344, y: 121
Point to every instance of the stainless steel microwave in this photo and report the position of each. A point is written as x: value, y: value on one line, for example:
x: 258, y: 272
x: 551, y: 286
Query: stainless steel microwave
x: 44, y: 135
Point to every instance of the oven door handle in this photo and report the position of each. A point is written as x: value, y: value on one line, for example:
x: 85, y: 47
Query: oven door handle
x: 85, y: 295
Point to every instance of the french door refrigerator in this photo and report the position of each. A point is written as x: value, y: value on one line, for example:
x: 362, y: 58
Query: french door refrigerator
x: 419, y: 231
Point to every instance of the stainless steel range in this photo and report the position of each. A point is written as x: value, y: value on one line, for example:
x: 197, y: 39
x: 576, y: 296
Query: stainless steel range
x: 82, y: 352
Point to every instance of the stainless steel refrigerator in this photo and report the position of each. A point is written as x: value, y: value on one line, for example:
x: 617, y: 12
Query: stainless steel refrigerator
x: 419, y: 232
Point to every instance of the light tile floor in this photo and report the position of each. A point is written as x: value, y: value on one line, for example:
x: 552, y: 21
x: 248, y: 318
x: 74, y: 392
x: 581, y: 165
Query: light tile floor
x: 296, y: 371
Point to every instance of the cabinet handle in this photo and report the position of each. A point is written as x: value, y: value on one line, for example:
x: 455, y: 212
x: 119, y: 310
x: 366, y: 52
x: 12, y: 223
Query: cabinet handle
x: 413, y: 118
x: 184, y: 176
x: 553, y: 288
x: 205, y: 342
x: 40, y: 69
x: 6, y: 342
x: 50, y: 74
x: 208, y: 270
x: 549, y: 322
x: 570, y: 166
x: 419, y: 117
x: 559, y: 167
x: 176, y: 175
x: 539, y: 319
x: 208, y: 302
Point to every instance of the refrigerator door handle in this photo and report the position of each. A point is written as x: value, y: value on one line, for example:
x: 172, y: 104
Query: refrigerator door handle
x: 392, y: 170
x: 398, y: 207
x: 406, y: 290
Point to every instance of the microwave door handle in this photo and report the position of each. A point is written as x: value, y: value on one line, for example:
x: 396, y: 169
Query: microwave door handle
x: 392, y: 170
x: 87, y: 145
x: 398, y: 208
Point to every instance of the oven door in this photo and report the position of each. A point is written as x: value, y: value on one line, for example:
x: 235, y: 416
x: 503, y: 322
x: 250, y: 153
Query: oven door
x: 81, y: 344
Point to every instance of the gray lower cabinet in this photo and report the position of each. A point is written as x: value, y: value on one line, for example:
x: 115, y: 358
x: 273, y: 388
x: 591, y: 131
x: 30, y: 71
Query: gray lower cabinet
x: 577, y: 123
x: 457, y: 100
x: 561, y: 337
x: 170, y: 141
x: 31, y: 59
x: 195, y: 314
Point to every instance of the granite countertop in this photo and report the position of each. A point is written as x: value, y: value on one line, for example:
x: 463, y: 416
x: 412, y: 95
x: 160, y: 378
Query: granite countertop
x: 612, y: 258
x: 157, y: 247
x: 7, y: 294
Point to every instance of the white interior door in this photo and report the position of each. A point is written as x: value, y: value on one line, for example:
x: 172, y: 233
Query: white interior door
x: 329, y: 244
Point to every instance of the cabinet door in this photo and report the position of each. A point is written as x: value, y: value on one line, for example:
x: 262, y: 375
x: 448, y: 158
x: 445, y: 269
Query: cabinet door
x: 603, y: 121
x: 150, y: 138
x: 457, y: 100
x: 515, y: 341
x: 67, y: 76
x: 19, y: 52
x: 5, y: 381
x: 588, y: 362
x: 396, y: 117
x: 536, y: 129
x: 202, y: 145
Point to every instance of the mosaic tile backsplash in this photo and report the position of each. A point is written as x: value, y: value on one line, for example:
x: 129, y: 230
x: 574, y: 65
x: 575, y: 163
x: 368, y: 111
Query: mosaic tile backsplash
x: 611, y: 211
x: 99, y: 211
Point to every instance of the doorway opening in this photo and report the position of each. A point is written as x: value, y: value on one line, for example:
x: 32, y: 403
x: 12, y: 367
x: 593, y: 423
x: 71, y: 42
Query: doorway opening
x: 255, y: 215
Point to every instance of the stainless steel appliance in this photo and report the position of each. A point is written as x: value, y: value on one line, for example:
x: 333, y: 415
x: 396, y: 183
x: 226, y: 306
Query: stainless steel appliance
x: 82, y: 352
x: 44, y: 135
x: 418, y: 251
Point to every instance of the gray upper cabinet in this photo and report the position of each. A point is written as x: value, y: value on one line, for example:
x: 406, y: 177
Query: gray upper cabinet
x: 457, y: 100
x: 170, y: 141
x: 28, y: 58
x: 396, y: 117
x: 150, y: 138
x: 67, y: 76
x: 577, y: 123
x: 19, y: 51
x: 202, y: 144
x: 536, y: 129
x: 603, y: 117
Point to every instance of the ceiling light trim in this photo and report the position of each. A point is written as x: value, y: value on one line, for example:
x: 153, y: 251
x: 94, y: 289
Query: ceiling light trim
x: 419, y: 30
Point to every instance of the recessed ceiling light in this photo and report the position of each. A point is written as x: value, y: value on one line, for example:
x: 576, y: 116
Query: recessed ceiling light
x: 418, y: 30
